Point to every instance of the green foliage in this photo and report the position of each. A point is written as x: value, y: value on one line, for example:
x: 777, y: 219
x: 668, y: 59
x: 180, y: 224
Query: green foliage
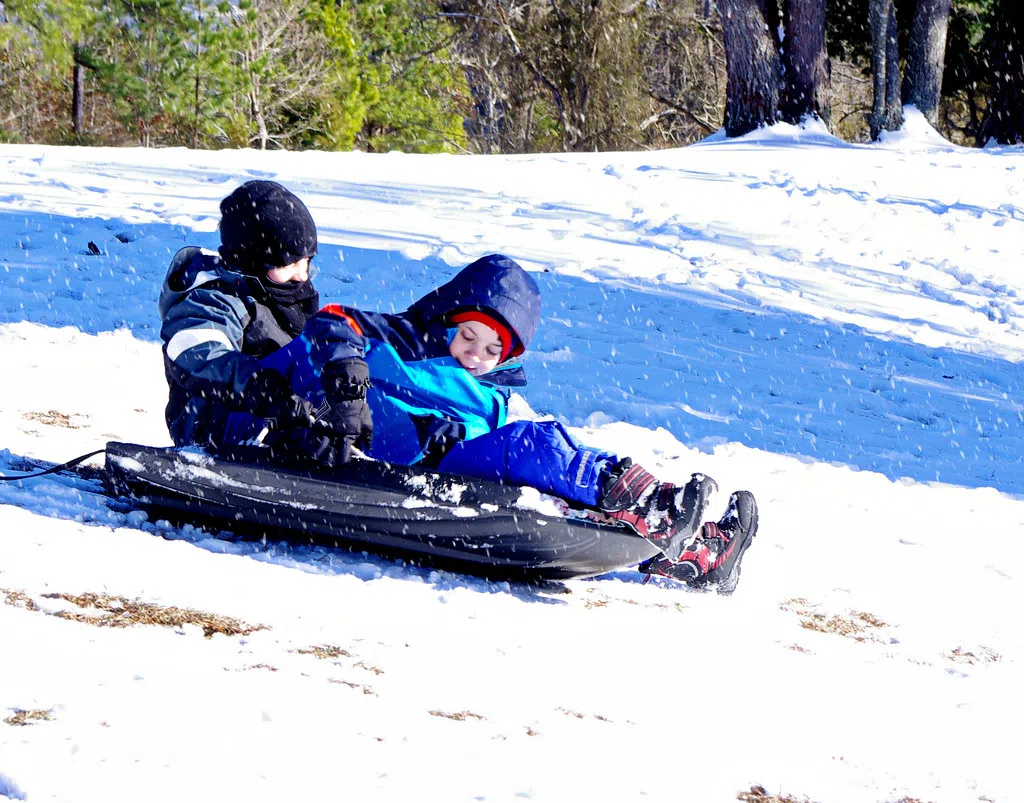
x: 28, y: 83
x: 414, y: 95
x: 554, y: 74
x: 968, y: 76
x: 546, y: 131
x: 42, y: 41
x: 846, y: 30
x: 59, y: 27
x: 145, y: 68
x: 965, y: 59
x: 417, y: 75
x: 293, y: 77
x: 593, y: 58
x: 849, y: 38
x: 346, y: 94
x: 207, y: 78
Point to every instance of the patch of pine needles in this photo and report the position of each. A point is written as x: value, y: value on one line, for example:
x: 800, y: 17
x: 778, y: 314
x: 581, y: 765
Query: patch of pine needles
x: 22, y: 718
x: 117, y: 611
x: 855, y: 624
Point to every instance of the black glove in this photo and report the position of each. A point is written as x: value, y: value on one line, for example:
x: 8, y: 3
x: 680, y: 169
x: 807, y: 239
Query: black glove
x: 346, y: 379
x: 346, y: 414
x: 303, y: 448
x: 269, y: 395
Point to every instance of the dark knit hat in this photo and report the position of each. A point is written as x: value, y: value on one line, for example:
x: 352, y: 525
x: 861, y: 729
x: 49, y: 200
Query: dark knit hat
x: 264, y: 225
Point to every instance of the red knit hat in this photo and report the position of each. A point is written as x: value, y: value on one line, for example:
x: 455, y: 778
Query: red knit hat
x: 482, y: 317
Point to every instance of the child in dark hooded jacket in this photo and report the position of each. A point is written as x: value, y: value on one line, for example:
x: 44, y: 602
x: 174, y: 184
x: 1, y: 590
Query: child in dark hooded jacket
x: 223, y: 313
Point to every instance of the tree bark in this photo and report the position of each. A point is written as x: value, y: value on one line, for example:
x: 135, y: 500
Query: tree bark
x: 926, y: 57
x: 808, y: 71
x: 1004, y: 118
x: 262, y: 133
x: 77, y: 92
x: 886, y: 113
x: 893, y: 100
x: 752, y: 65
x: 196, y: 112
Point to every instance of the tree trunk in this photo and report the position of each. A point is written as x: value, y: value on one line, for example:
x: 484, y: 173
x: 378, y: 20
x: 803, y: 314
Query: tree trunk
x: 926, y: 57
x: 256, y: 112
x: 262, y: 135
x: 198, y: 84
x: 752, y: 65
x: 77, y: 93
x: 886, y: 114
x: 808, y: 71
x: 1004, y: 118
x: 893, y: 101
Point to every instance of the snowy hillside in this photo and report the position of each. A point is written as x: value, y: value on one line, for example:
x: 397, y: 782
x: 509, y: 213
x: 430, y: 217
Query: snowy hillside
x: 838, y: 328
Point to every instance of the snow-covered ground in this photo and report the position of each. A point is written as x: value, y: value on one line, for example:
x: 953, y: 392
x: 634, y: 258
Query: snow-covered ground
x: 838, y: 328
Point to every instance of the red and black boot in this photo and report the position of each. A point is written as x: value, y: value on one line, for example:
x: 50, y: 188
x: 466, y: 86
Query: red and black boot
x: 713, y: 559
x: 666, y: 515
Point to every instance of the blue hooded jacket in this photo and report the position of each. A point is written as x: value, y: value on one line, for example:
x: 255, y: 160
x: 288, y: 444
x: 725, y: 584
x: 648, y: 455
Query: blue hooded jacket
x: 422, y: 401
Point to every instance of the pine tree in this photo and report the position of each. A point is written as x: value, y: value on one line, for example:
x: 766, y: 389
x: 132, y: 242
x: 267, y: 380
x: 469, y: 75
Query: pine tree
x: 418, y: 92
x: 294, y: 78
x: 147, y: 69
x: 346, y: 95
x: 63, y: 33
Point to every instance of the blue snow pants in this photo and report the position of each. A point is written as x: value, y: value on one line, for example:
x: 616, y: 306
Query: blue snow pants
x: 541, y: 454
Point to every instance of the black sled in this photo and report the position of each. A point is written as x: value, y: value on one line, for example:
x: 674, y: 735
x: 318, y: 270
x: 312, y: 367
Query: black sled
x: 427, y: 518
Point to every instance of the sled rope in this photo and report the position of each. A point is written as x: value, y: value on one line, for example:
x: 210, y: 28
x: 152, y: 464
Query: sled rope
x: 55, y: 469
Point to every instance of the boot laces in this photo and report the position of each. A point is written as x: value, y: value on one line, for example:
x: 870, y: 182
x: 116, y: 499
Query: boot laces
x: 663, y: 506
x: 716, y: 537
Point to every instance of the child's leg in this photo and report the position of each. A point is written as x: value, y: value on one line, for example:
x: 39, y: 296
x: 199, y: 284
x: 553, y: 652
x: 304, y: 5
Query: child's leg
x: 545, y: 456
x: 541, y: 454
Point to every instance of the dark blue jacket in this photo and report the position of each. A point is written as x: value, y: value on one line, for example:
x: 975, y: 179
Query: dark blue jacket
x: 216, y: 324
x: 422, y: 401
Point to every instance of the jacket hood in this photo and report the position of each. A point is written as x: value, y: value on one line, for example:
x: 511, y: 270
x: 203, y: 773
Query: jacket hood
x: 193, y: 267
x: 493, y: 284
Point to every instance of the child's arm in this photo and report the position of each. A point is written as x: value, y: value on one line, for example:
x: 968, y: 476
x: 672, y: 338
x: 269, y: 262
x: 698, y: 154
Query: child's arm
x: 424, y: 407
x: 410, y: 336
x: 202, y: 334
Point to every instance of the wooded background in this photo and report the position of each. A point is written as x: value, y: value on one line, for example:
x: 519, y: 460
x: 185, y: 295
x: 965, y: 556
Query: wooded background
x: 501, y: 76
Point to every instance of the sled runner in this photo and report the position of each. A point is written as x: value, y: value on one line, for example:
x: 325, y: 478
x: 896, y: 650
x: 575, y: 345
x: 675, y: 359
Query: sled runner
x: 427, y: 518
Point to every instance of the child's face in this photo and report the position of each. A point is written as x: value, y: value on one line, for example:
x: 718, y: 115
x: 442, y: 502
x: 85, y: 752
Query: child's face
x: 476, y: 346
x: 296, y: 272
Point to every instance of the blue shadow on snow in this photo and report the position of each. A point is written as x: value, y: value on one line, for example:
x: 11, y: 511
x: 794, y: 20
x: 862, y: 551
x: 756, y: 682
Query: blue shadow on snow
x: 707, y: 367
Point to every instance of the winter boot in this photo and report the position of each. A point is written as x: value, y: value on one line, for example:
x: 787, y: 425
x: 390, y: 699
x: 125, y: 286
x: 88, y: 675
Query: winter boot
x: 713, y: 559
x: 666, y: 515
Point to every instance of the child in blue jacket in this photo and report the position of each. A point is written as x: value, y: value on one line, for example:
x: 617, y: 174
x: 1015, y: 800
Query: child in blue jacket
x: 440, y: 376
